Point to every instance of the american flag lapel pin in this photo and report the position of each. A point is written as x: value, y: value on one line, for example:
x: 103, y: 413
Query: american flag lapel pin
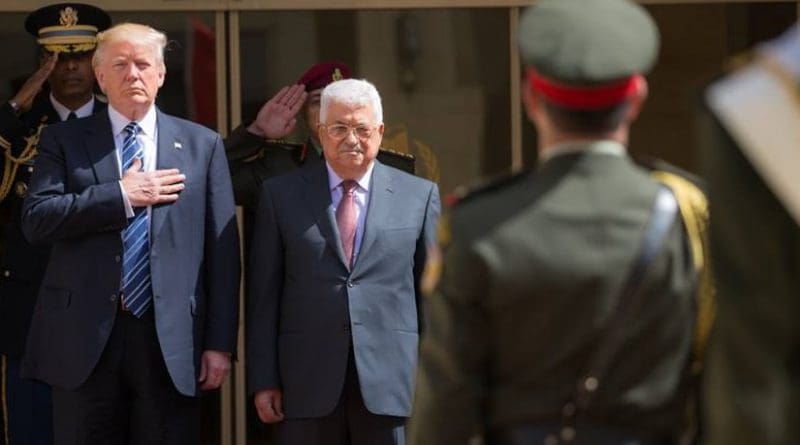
x: 178, y: 145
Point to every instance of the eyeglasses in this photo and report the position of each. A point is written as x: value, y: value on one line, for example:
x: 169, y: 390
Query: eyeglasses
x: 341, y: 131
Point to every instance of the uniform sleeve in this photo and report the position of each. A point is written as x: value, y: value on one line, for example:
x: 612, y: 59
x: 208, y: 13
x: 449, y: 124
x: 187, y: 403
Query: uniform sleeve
x: 454, y: 354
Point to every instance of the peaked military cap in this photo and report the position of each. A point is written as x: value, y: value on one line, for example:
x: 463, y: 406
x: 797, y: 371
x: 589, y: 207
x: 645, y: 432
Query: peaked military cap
x: 587, y: 53
x: 67, y: 27
x: 321, y: 74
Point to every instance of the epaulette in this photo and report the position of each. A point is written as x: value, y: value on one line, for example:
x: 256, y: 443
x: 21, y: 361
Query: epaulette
x: 654, y: 165
x: 273, y: 145
x: 399, y: 154
x: 464, y: 194
x: 398, y: 160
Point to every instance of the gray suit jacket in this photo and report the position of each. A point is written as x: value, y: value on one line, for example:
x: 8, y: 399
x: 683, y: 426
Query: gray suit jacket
x: 305, y: 307
x: 75, y: 203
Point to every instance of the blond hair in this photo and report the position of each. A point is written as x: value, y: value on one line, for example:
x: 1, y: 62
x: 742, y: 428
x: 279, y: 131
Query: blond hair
x: 135, y: 33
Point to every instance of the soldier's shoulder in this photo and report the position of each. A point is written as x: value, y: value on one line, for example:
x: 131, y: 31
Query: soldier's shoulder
x: 469, y: 195
x: 277, y: 151
x: 660, y: 169
x: 397, y: 159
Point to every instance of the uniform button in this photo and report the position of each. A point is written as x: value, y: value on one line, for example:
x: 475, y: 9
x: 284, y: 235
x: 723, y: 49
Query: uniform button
x: 591, y: 384
x: 6, y: 273
x: 112, y: 298
x: 30, y: 169
x: 117, y: 258
x: 568, y: 410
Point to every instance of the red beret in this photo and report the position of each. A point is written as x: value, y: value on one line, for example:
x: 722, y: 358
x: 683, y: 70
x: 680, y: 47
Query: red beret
x: 321, y: 74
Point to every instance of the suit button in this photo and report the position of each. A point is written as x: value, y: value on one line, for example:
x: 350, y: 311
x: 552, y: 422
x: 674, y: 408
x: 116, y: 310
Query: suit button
x: 350, y: 283
x: 117, y: 258
x: 112, y: 298
x: 6, y: 273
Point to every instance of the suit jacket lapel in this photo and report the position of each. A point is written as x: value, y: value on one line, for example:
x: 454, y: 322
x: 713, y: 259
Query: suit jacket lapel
x: 169, y: 154
x: 378, y: 211
x: 99, y: 144
x: 318, y: 196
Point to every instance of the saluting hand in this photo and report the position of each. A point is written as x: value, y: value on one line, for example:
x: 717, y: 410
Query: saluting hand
x: 149, y: 188
x: 269, y: 404
x: 278, y: 117
x: 33, y: 85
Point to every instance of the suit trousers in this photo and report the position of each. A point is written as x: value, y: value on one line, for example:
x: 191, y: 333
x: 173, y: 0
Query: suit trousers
x: 350, y: 423
x: 129, y: 397
x: 28, y: 407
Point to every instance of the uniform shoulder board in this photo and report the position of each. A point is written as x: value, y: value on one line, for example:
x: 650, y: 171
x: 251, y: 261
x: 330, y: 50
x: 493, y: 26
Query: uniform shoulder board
x: 397, y: 159
x: 464, y: 194
x: 395, y: 153
x: 270, y: 146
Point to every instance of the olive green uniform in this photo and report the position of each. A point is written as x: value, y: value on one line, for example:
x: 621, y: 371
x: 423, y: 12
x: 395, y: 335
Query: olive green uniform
x: 533, y: 268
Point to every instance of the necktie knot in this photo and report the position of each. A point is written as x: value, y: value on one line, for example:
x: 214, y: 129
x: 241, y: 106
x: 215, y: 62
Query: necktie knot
x: 349, y: 186
x: 132, y: 129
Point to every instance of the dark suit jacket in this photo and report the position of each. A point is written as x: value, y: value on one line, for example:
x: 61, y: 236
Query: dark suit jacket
x: 76, y: 204
x: 305, y: 307
x: 22, y: 265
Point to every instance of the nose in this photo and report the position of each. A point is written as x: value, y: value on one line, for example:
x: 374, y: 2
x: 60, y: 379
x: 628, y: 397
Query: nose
x: 71, y: 64
x: 131, y: 71
x: 351, y: 137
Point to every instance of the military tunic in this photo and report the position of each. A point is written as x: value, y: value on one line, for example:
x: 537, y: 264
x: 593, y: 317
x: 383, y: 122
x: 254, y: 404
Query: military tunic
x: 532, y: 269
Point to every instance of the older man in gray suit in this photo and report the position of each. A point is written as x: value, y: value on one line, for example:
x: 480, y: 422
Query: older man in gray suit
x: 333, y: 308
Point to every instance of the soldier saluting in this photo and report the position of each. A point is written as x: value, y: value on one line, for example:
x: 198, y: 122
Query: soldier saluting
x: 61, y: 88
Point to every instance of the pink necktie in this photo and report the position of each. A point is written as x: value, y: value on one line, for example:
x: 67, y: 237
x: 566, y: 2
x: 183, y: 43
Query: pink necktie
x: 346, y: 219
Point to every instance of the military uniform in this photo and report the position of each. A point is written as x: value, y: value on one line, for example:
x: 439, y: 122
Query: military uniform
x: 559, y: 316
x: 22, y: 265
x: 750, y: 145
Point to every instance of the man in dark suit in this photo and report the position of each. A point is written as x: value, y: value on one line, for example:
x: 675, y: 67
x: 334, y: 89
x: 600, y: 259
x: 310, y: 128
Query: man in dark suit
x: 137, y: 311
x: 750, y: 144
x: 566, y: 304
x: 333, y: 306
x: 61, y: 89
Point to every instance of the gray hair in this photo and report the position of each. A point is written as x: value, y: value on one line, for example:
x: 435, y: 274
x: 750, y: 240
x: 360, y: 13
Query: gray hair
x: 352, y: 92
x: 135, y: 33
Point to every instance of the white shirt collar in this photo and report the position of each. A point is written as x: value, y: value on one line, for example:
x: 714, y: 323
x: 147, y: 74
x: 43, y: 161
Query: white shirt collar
x: 63, y: 112
x: 603, y: 146
x: 334, y: 180
x: 146, y: 123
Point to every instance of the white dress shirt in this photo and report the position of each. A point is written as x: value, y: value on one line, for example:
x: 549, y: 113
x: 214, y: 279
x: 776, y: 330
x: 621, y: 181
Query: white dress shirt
x: 362, y: 201
x: 147, y: 137
x: 63, y: 112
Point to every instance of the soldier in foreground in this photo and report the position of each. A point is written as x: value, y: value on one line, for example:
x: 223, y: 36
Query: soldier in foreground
x: 566, y: 305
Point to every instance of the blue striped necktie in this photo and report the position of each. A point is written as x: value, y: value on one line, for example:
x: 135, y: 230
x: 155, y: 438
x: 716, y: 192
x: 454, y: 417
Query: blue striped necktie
x: 137, y: 294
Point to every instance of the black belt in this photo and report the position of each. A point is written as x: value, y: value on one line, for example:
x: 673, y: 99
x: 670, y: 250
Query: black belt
x: 580, y: 435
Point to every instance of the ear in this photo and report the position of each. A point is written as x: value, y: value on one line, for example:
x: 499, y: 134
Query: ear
x: 161, y: 75
x: 101, y: 80
x: 637, y: 100
x: 381, y: 129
